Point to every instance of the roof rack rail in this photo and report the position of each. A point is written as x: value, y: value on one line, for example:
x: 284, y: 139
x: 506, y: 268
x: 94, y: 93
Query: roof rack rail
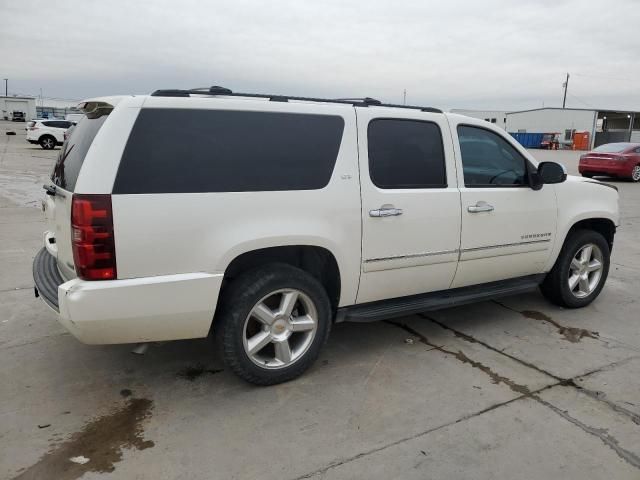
x: 222, y: 91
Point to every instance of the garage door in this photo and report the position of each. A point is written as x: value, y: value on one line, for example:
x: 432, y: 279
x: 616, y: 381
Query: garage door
x: 18, y: 106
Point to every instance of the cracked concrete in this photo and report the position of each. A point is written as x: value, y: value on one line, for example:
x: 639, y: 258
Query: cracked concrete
x: 520, y: 390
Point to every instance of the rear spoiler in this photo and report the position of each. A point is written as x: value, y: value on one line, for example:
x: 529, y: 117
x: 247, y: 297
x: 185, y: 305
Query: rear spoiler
x: 95, y: 109
x: 99, y: 106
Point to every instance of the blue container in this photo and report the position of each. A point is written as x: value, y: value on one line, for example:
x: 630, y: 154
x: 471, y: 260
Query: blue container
x: 528, y: 140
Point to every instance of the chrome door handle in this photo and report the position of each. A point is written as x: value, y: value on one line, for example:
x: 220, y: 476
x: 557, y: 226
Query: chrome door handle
x: 385, y: 212
x: 480, y: 207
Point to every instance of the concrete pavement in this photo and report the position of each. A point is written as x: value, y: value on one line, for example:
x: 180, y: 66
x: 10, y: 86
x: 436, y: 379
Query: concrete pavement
x: 486, y: 391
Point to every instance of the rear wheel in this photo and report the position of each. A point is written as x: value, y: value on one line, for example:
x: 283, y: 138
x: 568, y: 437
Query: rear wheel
x: 48, y: 142
x: 272, y: 324
x: 580, y: 271
x: 635, y: 174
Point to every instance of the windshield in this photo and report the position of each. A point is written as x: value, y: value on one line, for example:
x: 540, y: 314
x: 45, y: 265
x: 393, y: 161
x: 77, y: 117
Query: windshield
x: 611, y: 148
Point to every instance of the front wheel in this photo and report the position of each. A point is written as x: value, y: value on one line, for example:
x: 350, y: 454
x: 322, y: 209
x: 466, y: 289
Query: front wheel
x: 580, y: 271
x: 272, y: 324
x: 635, y: 174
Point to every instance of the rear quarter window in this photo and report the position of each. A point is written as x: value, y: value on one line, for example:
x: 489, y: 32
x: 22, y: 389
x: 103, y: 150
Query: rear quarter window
x: 188, y: 151
x: 71, y: 157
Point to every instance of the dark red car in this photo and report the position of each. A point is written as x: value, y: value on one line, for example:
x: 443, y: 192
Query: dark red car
x: 613, y: 159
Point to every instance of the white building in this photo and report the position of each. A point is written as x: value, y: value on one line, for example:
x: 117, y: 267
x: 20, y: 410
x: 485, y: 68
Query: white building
x: 498, y: 117
x: 603, y: 126
x: 36, y: 107
x: 10, y: 104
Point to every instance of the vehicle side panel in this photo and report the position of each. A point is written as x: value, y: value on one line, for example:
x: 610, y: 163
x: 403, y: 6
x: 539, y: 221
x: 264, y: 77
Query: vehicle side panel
x: 581, y: 200
x: 163, y: 234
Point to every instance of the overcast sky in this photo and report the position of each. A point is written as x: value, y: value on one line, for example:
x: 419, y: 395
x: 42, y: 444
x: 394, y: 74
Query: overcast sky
x: 451, y: 54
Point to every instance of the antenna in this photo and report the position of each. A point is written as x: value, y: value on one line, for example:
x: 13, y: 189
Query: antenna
x: 565, y: 85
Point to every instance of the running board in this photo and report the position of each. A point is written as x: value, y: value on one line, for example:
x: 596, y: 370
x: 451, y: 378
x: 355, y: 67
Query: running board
x: 401, y: 306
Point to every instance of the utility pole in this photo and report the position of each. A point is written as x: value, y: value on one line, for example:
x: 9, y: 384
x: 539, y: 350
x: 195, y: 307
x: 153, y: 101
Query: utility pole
x: 404, y: 97
x: 565, y: 85
x: 6, y: 87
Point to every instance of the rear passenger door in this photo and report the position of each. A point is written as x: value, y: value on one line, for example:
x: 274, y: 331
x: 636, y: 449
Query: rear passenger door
x: 410, y: 203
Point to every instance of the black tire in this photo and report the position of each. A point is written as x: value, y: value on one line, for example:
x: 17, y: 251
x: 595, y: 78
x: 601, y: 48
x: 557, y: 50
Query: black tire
x: 240, y: 297
x: 555, y: 286
x: 47, y: 142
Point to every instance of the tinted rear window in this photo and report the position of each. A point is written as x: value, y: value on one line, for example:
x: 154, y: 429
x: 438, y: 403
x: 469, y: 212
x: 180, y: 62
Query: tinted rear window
x: 182, y: 150
x: 71, y: 157
x: 406, y: 154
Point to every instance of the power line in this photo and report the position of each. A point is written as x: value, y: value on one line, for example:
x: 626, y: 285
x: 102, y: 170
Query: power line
x: 20, y: 94
x: 581, y: 101
x: 608, y: 77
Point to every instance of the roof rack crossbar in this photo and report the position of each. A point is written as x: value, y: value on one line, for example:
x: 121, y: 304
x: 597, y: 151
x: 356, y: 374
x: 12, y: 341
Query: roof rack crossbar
x: 221, y: 91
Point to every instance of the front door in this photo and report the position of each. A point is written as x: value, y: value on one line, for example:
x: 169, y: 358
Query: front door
x: 508, y: 229
x: 410, y: 203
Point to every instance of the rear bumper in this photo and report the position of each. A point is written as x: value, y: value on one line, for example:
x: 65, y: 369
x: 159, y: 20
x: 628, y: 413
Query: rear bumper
x: 168, y: 307
x: 621, y: 169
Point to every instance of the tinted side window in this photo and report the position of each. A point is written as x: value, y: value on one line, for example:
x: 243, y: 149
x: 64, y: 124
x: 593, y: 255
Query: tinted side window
x: 71, y: 157
x: 48, y: 124
x: 488, y: 160
x: 406, y: 154
x: 182, y: 150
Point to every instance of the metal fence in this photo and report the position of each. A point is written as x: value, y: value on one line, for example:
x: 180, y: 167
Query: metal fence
x: 55, y: 112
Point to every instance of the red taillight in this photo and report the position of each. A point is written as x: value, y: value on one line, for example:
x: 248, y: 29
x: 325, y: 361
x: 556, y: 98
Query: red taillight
x: 94, y: 249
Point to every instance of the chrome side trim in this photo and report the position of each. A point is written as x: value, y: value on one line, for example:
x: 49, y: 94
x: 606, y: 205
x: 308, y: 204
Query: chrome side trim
x: 413, y: 255
x: 446, y: 252
x: 504, y: 245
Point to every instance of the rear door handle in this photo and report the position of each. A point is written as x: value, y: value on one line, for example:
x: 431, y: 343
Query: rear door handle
x: 480, y: 207
x: 385, y: 212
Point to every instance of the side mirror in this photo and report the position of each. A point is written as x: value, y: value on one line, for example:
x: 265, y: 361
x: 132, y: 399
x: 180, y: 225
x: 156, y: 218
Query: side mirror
x: 551, y: 172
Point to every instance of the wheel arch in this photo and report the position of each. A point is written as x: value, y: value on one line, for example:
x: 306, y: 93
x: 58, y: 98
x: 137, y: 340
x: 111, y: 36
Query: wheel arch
x: 318, y: 261
x: 601, y: 223
x: 604, y: 226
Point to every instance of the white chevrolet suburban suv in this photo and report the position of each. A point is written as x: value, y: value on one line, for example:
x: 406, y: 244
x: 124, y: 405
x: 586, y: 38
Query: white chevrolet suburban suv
x: 260, y: 220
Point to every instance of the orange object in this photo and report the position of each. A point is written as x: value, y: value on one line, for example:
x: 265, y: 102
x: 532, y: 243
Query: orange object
x: 581, y: 141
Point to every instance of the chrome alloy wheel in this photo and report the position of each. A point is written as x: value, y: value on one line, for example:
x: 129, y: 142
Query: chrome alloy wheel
x: 48, y: 143
x: 280, y: 329
x: 585, y: 270
x: 635, y: 173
